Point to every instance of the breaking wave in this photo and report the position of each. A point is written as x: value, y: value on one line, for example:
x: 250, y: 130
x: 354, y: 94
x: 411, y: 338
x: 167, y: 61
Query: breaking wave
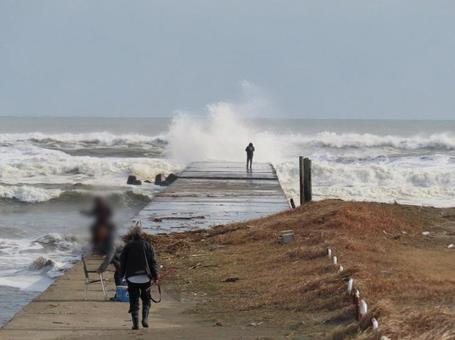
x: 415, y: 169
x: 434, y: 142
x: 28, y: 194
x: 73, y: 140
x: 31, y: 264
x: 29, y: 164
x: 34, y: 194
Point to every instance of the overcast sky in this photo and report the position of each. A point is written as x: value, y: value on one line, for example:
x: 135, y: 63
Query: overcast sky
x: 318, y: 59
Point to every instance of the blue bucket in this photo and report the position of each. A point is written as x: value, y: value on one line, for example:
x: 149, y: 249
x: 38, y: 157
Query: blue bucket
x: 122, y: 294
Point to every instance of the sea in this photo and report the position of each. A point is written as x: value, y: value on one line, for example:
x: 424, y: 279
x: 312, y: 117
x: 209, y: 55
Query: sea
x: 51, y: 168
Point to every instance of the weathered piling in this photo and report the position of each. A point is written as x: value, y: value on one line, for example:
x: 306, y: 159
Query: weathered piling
x: 307, y: 190
x: 301, y: 180
x: 305, y: 180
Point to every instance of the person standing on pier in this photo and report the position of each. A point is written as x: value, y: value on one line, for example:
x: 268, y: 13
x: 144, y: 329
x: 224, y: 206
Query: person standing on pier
x: 249, y: 157
x: 138, y: 266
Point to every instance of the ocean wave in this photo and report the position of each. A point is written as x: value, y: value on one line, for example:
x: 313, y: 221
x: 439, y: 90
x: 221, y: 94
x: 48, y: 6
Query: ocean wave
x: 222, y: 135
x: 327, y: 139
x: 422, y: 183
x: 41, y: 264
x: 31, y: 264
x: 72, y: 194
x: 29, y: 194
x: 28, y: 164
x: 92, y: 139
x: 55, y: 241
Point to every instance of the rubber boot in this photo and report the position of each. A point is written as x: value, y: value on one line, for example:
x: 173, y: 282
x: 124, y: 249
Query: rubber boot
x: 135, y: 319
x: 145, y: 316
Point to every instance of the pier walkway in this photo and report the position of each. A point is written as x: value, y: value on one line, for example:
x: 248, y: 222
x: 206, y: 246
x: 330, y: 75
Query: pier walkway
x: 212, y: 193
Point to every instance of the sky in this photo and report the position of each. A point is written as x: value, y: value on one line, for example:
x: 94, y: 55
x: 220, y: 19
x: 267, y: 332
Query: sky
x: 305, y: 59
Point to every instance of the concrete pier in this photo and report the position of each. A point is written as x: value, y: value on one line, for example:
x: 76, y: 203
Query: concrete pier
x: 212, y: 193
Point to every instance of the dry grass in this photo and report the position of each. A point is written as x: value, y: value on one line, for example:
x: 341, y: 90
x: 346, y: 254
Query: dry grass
x: 407, y: 279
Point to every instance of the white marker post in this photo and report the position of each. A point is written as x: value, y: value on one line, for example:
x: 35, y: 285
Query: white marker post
x: 374, y: 324
x: 363, y: 309
x: 334, y: 260
x: 350, y: 284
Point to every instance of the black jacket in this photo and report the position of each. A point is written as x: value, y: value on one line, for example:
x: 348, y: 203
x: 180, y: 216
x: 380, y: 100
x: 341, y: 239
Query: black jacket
x: 138, y: 258
x: 249, y: 151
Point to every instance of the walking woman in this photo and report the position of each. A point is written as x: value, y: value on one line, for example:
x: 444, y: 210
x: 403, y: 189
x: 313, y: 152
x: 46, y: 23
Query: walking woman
x: 138, y: 266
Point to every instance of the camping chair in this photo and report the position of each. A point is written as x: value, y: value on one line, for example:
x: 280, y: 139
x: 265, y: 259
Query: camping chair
x: 89, y: 281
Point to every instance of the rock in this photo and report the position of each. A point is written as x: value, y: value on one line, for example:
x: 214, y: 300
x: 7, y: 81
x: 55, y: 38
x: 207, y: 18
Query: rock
x: 168, y: 181
x: 132, y: 180
x: 171, y: 179
x: 158, y: 179
x: 219, y: 324
x: 425, y: 233
x: 450, y: 246
x: 255, y: 324
x: 147, y: 181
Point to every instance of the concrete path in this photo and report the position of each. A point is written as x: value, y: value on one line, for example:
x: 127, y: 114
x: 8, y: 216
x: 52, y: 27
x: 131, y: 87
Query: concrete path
x: 61, y: 312
x: 206, y: 194
x: 212, y: 193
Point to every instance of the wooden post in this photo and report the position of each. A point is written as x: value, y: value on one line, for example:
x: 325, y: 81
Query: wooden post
x: 301, y: 180
x: 307, y: 191
x: 291, y: 202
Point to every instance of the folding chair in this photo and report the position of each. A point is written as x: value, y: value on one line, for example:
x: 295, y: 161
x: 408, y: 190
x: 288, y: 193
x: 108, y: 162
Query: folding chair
x: 89, y: 281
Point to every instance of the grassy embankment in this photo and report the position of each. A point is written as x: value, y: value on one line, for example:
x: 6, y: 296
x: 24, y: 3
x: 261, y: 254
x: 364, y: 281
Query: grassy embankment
x: 240, y: 274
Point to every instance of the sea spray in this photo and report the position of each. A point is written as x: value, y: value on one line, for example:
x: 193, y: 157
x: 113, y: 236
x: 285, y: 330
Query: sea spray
x: 221, y: 134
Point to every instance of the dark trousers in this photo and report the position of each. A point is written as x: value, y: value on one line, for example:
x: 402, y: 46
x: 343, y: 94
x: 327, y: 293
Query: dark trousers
x: 249, y: 162
x: 118, y: 277
x: 136, y: 291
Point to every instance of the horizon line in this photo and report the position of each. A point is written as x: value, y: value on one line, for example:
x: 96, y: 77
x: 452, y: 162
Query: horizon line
x: 250, y: 117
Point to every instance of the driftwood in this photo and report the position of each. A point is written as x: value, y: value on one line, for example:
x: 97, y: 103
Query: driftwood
x: 159, y: 219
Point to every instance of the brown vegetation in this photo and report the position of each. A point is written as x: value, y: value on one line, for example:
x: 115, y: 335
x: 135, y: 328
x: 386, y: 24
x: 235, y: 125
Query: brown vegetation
x: 241, y: 274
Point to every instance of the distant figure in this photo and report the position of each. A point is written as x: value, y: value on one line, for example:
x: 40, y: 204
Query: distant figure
x: 138, y: 266
x: 104, y: 237
x: 102, y: 213
x: 249, y: 156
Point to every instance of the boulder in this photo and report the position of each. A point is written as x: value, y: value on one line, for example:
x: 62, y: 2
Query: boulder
x: 171, y: 178
x: 132, y: 180
x: 159, y: 179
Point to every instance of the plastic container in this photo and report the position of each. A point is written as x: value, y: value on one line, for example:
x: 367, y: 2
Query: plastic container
x: 121, y: 293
